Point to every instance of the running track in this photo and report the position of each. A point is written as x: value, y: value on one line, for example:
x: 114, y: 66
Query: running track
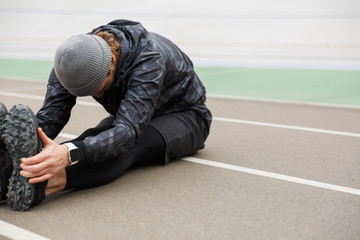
x: 270, y: 170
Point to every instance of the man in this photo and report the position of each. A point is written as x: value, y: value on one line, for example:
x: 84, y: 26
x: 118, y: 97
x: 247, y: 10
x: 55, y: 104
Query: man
x: 148, y: 86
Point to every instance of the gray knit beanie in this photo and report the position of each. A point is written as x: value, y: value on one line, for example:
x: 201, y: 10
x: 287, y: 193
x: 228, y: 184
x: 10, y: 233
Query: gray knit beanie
x: 81, y: 63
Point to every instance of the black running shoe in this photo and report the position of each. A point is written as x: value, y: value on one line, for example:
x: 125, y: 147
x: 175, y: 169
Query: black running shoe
x: 5, y: 161
x: 22, y: 140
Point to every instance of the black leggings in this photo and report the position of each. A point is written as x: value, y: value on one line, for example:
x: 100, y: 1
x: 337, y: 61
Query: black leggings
x: 150, y: 149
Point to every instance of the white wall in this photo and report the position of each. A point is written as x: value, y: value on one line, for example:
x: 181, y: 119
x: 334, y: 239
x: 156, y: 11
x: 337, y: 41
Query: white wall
x: 261, y: 33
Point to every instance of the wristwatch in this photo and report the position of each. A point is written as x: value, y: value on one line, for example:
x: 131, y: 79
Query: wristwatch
x: 74, y: 153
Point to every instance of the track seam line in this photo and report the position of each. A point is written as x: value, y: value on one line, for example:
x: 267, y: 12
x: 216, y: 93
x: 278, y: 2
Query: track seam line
x: 274, y: 175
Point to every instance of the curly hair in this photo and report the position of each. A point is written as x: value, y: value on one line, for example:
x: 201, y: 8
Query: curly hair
x: 113, y: 44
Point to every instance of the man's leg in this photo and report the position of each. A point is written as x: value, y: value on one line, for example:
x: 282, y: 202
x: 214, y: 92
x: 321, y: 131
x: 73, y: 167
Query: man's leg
x: 150, y: 149
x: 185, y: 132
x: 59, y: 181
x: 104, y: 125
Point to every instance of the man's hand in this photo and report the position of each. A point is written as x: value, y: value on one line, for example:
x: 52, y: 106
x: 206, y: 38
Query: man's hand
x: 46, y: 164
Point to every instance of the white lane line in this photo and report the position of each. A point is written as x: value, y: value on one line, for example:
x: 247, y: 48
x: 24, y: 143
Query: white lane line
x: 260, y: 173
x: 274, y: 175
x: 21, y: 95
x: 67, y: 135
x: 317, y: 130
x: 29, y: 88
x: 92, y: 104
x: 16, y: 233
x: 266, y: 100
x: 28, y: 96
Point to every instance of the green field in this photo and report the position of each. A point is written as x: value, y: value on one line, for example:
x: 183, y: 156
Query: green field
x: 321, y: 86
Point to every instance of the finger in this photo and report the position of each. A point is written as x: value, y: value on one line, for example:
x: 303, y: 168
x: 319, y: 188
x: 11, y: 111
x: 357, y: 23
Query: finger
x: 38, y: 158
x: 37, y: 167
x: 29, y: 173
x: 40, y: 179
x: 45, y: 139
x: 34, y: 173
x: 32, y: 160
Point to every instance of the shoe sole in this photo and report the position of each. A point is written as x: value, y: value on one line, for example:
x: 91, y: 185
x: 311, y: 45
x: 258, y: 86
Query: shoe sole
x: 3, y: 171
x: 21, y: 138
x: 3, y: 113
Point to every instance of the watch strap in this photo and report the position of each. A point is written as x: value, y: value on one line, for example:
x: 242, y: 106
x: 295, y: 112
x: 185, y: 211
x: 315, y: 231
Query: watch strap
x: 71, y: 147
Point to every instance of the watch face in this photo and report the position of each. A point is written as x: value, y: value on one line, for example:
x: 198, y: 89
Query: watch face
x: 75, y: 155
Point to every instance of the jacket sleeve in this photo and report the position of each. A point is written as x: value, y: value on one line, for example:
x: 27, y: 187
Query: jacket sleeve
x: 55, y: 112
x: 135, y: 111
